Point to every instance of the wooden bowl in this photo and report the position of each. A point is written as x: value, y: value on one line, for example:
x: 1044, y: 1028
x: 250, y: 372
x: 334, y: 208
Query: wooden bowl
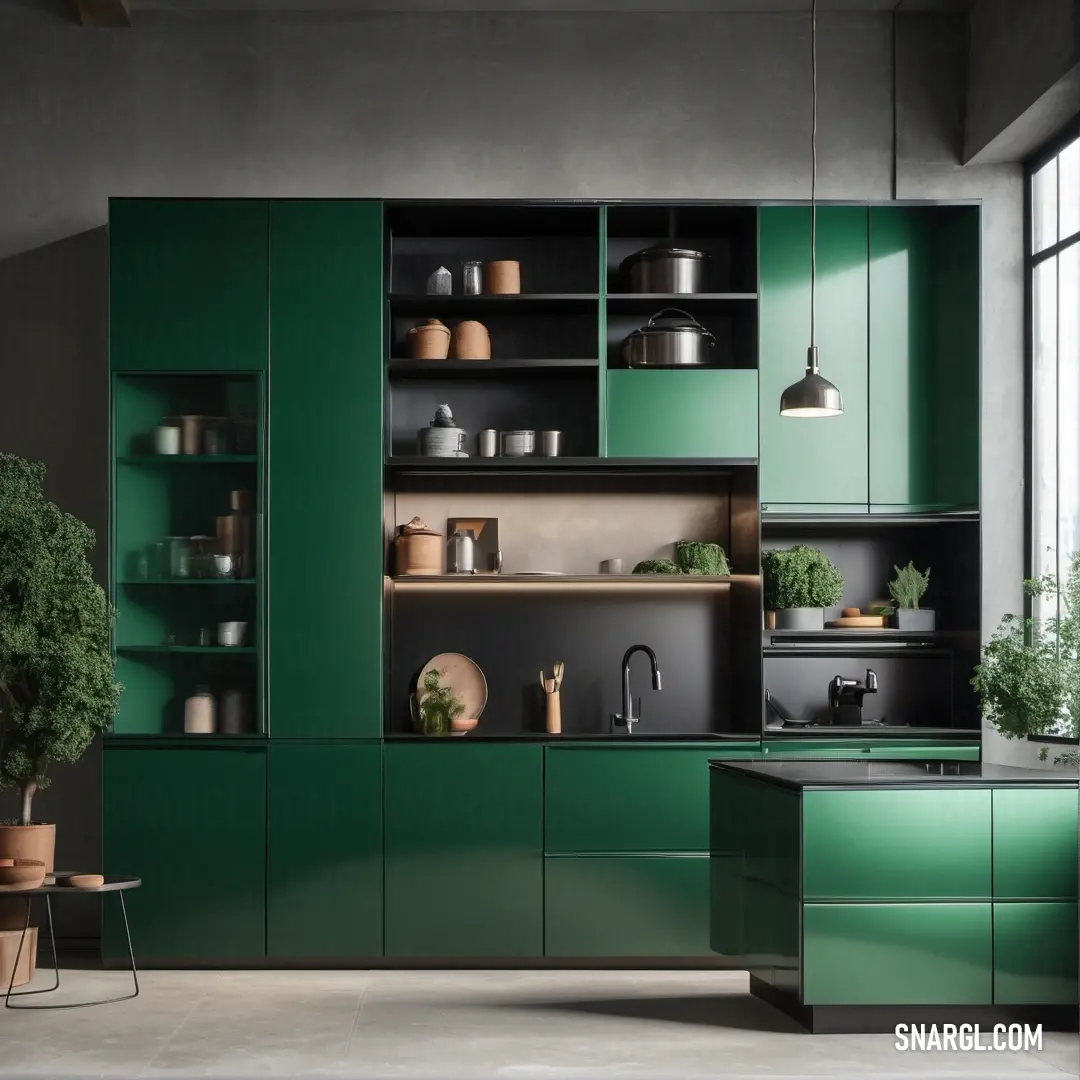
x: 85, y: 881
x: 22, y: 875
x: 463, y: 725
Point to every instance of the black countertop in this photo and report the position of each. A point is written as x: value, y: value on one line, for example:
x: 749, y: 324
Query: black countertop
x: 855, y: 775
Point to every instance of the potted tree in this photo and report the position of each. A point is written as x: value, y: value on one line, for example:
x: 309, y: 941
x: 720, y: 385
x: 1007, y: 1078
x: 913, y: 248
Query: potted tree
x: 799, y: 583
x: 1029, y: 679
x: 57, y: 691
x: 907, y: 588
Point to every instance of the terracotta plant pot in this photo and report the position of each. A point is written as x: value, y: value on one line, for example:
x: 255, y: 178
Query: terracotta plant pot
x: 29, y: 842
x: 470, y: 341
x: 431, y: 341
x: 503, y: 277
x: 21, y: 875
x: 9, y: 949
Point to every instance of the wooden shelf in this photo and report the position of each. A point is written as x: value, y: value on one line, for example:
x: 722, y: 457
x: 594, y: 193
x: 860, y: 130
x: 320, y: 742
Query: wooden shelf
x: 609, y: 581
x: 188, y: 459
x: 469, y: 369
x: 228, y: 650
x: 521, y: 303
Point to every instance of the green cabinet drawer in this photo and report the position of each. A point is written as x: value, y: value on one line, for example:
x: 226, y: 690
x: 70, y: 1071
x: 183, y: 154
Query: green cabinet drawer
x: 813, y: 460
x: 897, y: 954
x: 890, y: 845
x: 464, y: 850
x: 187, y: 284
x: 1035, y: 954
x: 638, y: 905
x: 888, y: 749
x: 1035, y: 844
x: 326, y: 539
x: 324, y: 845
x: 177, y: 817
x: 628, y: 799
x: 682, y: 414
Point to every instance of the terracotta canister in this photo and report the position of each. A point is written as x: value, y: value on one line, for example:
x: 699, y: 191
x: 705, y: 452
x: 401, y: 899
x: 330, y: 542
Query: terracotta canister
x: 418, y: 550
x: 29, y: 842
x: 502, y: 277
x: 430, y: 341
x: 470, y: 341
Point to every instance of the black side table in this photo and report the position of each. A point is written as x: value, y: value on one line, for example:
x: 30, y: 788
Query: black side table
x: 112, y: 885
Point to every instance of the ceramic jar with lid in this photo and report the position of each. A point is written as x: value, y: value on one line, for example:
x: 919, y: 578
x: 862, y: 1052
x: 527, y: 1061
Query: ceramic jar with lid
x: 470, y: 341
x: 418, y: 550
x: 429, y: 341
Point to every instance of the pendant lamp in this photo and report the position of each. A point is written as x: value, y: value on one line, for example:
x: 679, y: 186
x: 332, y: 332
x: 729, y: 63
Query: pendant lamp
x: 813, y: 395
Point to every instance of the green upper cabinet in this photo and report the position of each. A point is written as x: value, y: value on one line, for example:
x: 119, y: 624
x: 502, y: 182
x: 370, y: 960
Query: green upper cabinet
x: 325, y: 448
x: 191, y: 823
x: 924, y: 357
x: 813, y: 460
x: 464, y: 849
x: 187, y: 284
x: 682, y: 414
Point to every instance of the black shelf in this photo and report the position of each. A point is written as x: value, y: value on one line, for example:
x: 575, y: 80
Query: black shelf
x: 535, y: 463
x: 520, y: 303
x: 634, y: 301
x: 610, y: 581
x: 468, y: 369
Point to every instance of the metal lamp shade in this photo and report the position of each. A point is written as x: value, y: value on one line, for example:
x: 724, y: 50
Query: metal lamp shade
x: 811, y: 396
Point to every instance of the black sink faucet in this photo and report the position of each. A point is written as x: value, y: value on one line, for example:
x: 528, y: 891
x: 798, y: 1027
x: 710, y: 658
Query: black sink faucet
x: 626, y: 718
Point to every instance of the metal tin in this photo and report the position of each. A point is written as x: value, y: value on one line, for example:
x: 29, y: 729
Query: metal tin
x: 665, y: 270
x: 472, y: 278
x: 488, y: 442
x: 461, y: 553
x: 670, y: 342
x: 551, y: 443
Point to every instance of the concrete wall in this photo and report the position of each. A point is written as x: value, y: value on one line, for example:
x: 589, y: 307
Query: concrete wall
x: 527, y: 105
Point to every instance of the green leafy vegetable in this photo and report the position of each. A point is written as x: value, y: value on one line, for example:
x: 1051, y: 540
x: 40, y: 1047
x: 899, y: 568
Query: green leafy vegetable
x: 909, y: 586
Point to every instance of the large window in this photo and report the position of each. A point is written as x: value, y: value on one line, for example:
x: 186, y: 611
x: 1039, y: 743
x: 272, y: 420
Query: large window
x: 1054, y: 278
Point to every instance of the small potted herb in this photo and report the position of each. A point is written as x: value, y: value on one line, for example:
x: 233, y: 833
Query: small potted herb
x: 435, y: 709
x: 907, y: 588
x: 1029, y: 679
x: 800, y: 582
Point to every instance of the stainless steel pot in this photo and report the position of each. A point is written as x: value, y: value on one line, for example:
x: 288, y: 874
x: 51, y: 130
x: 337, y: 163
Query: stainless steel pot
x: 665, y: 270
x: 670, y: 342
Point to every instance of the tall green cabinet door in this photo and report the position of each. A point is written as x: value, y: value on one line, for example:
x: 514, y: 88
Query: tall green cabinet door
x: 820, y: 460
x: 325, y: 883
x: 187, y: 284
x: 325, y: 544
x: 464, y: 850
x: 924, y: 356
x: 191, y: 822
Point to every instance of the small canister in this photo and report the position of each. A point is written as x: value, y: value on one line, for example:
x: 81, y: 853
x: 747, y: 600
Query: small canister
x: 470, y: 341
x: 461, y: 553
x: 418, y: 550
x: 487, y: 442
x: 502, y: 277
x: 167, y: 439
x: 431, y: 341
x: 551, y: 443
x: 518, y: 443
x: 179, y: 556
x: 473, y: 278
x: 439, y: 283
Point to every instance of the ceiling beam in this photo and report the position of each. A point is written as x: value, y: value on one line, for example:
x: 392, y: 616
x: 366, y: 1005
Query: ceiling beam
x: 107, y: 13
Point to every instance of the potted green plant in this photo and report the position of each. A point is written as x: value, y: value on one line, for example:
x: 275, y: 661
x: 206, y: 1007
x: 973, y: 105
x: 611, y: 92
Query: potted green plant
x: 907, y: 588
x: 1029, y: 679
x: 799, y: 583
x: 435, y: 708
x: 57, y: 690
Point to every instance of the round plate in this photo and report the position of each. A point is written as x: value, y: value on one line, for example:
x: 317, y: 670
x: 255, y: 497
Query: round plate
x: 463, y: 676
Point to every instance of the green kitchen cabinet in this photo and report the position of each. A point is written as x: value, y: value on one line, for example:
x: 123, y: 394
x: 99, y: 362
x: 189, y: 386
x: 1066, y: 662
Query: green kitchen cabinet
x: 897, y: 954
x: 188, y: 284
x: 1035, y: 953
x: 889, y: 845
x: 821, y: 460
x: 1035, y: 843
x: 924, y: 357
x: 324, y: 829
x: 636, y: 905
x: 629, y: 799
x: 891, y: 749
x: 464, y: 858
x: 682, y: 414
x: 191, y: 822
x: 326, y: 540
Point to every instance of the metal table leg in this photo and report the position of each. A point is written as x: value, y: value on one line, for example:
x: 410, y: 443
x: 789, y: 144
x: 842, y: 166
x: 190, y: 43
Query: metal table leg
x: 56, y: 966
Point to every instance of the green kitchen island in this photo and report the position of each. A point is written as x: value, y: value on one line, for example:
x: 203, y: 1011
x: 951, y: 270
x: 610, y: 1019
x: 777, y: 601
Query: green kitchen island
x: 864, y: 894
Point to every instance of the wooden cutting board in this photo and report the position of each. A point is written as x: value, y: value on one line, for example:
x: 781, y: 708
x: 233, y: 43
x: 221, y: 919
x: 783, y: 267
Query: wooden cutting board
x: 857, y: 622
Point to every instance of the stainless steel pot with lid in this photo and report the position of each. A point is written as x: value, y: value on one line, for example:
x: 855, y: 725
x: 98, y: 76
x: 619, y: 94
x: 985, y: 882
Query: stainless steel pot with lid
x: 665, y: 270
x: 667, y: 341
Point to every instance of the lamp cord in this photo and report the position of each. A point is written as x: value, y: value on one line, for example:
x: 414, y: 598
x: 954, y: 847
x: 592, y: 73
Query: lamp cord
x: 813, y: 172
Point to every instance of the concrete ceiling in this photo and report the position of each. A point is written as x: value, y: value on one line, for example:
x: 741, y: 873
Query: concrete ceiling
x: 749, y: 6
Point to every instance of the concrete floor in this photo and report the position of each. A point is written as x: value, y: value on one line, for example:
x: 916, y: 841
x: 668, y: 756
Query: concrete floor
x: 423, y: 1025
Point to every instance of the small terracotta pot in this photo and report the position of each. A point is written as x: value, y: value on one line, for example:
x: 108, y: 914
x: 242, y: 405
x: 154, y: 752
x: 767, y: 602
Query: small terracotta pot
x: 431, y: 341
x: 29, y: 842
x: 9, y: 949
x: 502, y: 277
x: 470, y: 341
x: 418, y: 553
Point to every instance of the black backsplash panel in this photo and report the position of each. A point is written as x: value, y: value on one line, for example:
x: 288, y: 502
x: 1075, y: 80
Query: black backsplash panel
x: 514, y: 633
